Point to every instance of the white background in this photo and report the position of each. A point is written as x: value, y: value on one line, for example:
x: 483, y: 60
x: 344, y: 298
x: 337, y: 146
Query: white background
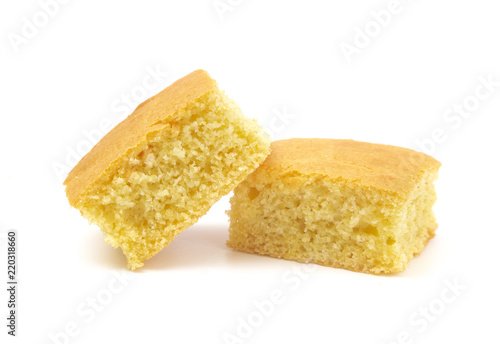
x: 70, y: 74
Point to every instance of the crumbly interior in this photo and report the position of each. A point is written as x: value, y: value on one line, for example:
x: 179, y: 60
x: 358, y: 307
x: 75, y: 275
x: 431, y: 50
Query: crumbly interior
x: 166, y: 186
x: 333, y: 223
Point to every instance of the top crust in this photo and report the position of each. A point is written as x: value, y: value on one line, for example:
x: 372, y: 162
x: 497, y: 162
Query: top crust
x: 153, y: 115
x: 374, y: 166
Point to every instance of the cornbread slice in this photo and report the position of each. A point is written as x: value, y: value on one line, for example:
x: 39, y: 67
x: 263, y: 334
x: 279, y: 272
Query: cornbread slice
x: 158, y: 171
x: 340, y: 203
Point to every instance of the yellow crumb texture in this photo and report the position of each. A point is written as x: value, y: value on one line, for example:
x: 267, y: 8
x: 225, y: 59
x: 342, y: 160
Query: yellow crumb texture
x: 340, y: 203
x: 162, y: 168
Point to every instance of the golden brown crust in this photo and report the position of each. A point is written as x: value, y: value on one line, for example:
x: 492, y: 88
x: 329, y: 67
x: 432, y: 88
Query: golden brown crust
x: 153, y: 115
x: 377, y: 166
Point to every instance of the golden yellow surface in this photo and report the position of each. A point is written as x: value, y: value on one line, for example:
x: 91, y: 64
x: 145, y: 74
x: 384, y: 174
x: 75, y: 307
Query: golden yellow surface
x: 378, y: 166
x: 153, y: 115
x: 162, y: 168
x: 340, y: 203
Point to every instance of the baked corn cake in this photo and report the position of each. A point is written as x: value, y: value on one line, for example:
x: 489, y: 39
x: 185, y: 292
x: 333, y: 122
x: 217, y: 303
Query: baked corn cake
x: 158, y: 171
x: 339, y: 203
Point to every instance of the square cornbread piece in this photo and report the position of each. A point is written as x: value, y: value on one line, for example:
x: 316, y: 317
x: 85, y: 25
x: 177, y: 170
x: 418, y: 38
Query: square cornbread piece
x: 158, y: 171
x: 339, y: 203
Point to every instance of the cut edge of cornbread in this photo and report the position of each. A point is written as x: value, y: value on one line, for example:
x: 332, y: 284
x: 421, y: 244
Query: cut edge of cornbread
x: 176, y: 165
x: 303, y: 205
